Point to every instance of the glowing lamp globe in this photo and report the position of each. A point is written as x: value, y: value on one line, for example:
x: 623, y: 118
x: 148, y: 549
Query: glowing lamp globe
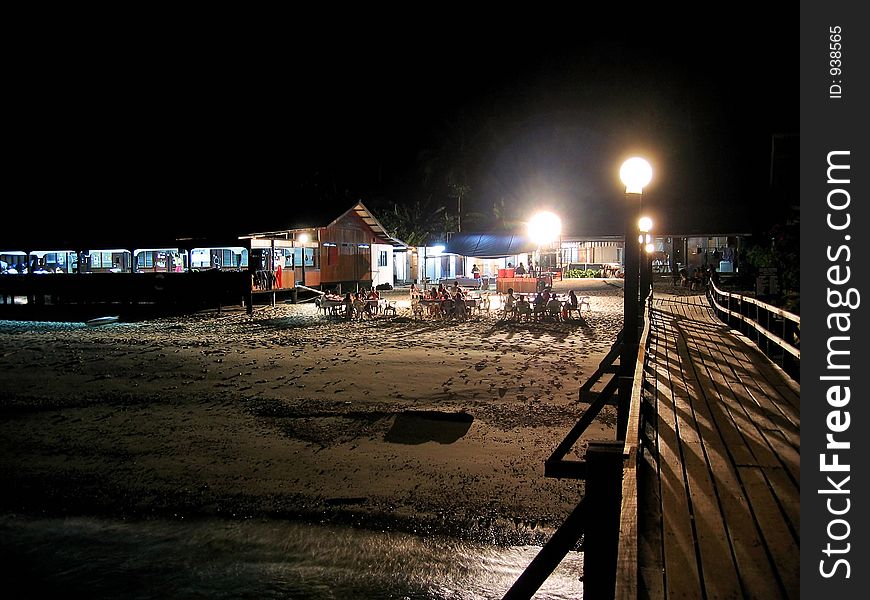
x: 544, y: 228
x: 645, y: 224
x: 635, y: 173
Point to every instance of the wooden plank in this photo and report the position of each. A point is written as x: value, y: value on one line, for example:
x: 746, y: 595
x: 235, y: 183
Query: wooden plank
x: 757, y: 575
x: 650, y: 546
x: 787, y: 494
x: 626, y: 561
x: 711, y: 415
x: 680, y: 562
x: 718, y: 434
x: 717, y: 564
x: 789, y: 457
x: 783, y: 547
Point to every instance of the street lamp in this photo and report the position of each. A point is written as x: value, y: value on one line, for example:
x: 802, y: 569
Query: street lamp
x: 635, y: 173
x: 544, y: 228
x: 645, y: 225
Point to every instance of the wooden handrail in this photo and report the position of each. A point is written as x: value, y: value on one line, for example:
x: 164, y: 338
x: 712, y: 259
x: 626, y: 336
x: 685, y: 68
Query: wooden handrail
x: 626, y: 561
x: 768, y: 307
x: 757, y: 326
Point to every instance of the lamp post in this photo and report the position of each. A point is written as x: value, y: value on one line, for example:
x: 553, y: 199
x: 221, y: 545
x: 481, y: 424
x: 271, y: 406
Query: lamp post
x: 635, y: 173
x: 645, y: 225
x: 544, y: 228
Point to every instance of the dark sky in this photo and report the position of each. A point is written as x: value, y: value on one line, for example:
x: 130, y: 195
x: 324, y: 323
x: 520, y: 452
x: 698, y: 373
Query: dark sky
x: 188, y: 130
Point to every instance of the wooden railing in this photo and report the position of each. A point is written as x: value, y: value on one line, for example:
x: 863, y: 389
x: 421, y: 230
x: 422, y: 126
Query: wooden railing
x: 606, y: 516
x: 626, y: 559
x: 774, y: 330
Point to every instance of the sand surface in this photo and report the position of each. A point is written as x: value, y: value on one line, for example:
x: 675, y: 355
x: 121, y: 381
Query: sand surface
x: 389, y: 423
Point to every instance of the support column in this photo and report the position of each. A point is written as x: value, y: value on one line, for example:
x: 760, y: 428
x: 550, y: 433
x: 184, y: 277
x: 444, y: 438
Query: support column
x: 603, y: 500
x: 631, y: 285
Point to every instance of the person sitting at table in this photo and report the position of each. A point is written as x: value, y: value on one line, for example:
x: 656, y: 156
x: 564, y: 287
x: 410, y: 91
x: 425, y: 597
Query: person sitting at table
x: 510, y: 308
x: 447, y: 306
x: 348, y: 306
x: 523, y: 309
x: 360, y: 305
x: 455, y: 289
x: 459, y: 308
x: 415, y: 291
x: 538, y: 305
x: 554, y: 307
x: 441, y: 289
x: 520, y: 270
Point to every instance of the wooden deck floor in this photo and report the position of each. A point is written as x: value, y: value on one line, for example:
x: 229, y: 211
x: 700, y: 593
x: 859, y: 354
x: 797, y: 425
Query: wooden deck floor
x: 719, y: 477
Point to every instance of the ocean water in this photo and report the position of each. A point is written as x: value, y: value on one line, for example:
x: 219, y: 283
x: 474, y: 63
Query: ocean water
x: 161, y: 559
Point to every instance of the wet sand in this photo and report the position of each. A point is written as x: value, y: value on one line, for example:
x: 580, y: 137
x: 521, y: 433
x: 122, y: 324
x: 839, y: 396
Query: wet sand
x: 392, y: 423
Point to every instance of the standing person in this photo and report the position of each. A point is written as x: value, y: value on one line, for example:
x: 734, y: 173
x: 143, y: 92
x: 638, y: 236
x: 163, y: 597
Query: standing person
x: 572, y: 299
x: 520, y: 270
x: 475, y: 271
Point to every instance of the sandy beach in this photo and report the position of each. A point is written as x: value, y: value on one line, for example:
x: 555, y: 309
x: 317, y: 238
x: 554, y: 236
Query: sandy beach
x: 392, y: 423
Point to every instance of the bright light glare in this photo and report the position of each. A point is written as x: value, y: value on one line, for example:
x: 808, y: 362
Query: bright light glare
x: 437, y: 249
x: 650, y: 248
x: 303, y: 237
x: 645, y: 224
x: 635, y: 174
x: 544, y: 227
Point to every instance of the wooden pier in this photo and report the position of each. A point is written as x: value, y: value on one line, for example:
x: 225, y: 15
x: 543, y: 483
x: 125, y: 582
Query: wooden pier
x: 717, y: 466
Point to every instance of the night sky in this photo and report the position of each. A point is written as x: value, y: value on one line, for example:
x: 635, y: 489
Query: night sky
x: 190, y: 130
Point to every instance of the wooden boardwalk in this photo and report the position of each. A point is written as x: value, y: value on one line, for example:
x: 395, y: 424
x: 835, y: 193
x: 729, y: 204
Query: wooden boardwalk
x: 719, y: 478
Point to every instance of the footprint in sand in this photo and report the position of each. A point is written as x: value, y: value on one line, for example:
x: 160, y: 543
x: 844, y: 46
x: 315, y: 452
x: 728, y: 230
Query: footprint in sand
x: 502, y: 392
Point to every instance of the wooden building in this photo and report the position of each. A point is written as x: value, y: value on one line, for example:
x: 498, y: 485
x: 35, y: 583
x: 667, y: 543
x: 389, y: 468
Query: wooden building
x: 353, y: 250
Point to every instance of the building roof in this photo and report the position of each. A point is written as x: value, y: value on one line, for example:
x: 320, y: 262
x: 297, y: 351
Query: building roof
x: 488, y: 245
x: 369, y: 219
x: 359, y: 209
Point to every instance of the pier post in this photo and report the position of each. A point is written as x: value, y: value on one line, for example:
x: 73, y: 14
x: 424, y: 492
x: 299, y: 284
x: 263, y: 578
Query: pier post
x: 603, y: 501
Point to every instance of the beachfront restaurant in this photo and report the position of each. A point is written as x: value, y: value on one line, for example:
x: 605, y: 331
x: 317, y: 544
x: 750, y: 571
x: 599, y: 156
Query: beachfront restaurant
x: 498, y: 257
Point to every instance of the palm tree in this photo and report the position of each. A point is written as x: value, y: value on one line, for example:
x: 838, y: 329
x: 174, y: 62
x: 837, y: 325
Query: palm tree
x: 417, y: 222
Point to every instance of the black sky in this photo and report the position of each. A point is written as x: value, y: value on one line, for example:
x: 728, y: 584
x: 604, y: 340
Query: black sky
x: 195, y: 129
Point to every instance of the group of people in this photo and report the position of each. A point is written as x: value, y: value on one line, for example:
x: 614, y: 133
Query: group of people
x: 441, y: 301
x: 356, y: 304
x: 699, y: 277
x: 521, y: 271
x: 544, y: 306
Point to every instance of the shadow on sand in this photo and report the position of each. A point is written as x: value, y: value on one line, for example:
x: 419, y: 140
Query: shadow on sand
x: 418, y: 427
